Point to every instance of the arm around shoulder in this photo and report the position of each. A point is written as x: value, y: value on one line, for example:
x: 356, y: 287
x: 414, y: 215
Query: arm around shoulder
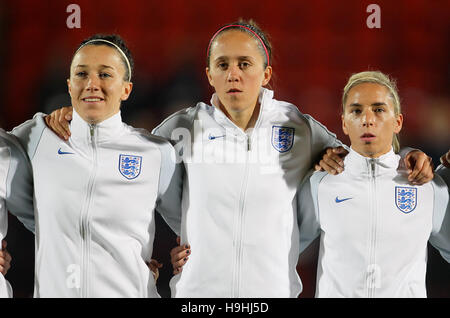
x: 440, y: 235
x: 170, y: 187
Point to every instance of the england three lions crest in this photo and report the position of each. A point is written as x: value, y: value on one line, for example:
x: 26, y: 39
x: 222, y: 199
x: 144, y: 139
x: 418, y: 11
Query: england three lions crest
x: 282, y: 138
x: 406, y: 198
x: 130, y: 166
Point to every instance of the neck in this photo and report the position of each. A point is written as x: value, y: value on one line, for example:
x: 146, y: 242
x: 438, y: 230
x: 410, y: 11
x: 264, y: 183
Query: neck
x: 372, y: 155
x: 244, y: 119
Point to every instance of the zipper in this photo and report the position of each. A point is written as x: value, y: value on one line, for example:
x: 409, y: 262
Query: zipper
x: 372, y: 270
x: 85, y: 231
x: 240, y: 226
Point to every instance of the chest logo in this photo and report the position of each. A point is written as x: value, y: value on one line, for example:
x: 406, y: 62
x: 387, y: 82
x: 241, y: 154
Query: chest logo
x: 282, y: 138
x: 130, y: 166
x: 406, y: 198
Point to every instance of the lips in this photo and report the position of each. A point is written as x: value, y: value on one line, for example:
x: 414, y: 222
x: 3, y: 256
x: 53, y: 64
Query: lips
x: 234, y: 91
x: 92, y: 99
x: 367, y: 137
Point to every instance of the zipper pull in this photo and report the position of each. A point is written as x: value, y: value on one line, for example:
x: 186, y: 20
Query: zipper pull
x: 91, y: 129
x: 372, y: 166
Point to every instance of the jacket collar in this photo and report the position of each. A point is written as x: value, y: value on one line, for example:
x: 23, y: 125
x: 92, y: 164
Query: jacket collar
x: 83, y: 132
x: 265, y: 99
x: 356, y: 164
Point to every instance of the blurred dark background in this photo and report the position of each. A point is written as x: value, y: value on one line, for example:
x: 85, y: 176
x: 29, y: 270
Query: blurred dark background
x: 317, y: 46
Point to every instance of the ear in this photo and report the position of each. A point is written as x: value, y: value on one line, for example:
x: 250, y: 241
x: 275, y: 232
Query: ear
x: 208, y: 75
x: 344, y: 128
x: 128, y: 87
x: 398, y: 124
x: 267, y: 75
x: 69, y: 88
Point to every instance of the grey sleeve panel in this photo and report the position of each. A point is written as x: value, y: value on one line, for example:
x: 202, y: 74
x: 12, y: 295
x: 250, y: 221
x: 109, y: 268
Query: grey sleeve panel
x: 170, y: 187
x: 307, y: 209
x: 30, y: 132
x: 321, y: 138
x: 5, y: 157
x: 440, y: 234
x: 181, y: 119
x: 19, y: 183
x: 444, y: 173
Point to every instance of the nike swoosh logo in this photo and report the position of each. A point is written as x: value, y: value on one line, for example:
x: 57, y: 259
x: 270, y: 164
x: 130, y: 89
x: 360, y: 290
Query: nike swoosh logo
x: 211, y: 137
x: 64, y: 153
x: 342, y: 200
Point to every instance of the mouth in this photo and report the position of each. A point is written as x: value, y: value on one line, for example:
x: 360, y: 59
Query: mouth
x: 92, y: 99
x: 234, y: 91
x: 368, y: 137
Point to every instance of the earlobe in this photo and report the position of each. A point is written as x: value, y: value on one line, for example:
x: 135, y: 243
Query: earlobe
x: 344, y: 128
x: 127, y: 91
x: 208, y: 75
x: 399, y: 123
x: 267, y: 75
x: 68, y: 86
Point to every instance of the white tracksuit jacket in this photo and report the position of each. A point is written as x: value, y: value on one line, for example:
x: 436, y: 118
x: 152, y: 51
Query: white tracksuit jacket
x: 16, y: 191
x: 374, y: 228
x: 95, y: 197
x: 239, y: 197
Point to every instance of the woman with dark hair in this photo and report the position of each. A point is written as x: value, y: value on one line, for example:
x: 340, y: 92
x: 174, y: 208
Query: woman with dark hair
x: 96, y: 193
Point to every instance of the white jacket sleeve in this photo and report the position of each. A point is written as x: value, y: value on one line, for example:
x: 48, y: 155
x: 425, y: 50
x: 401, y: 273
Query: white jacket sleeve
x: 307, y: 209
x: 440, y: 235
x: 171, y: 200
x: 18, y: 182
x: 321, y: 138
x: 5, y: 288
x: 170, y: 188
x: 444, y: 172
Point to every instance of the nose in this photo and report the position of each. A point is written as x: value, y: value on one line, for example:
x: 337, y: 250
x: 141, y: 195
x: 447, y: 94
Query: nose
x: 93, y: 83
x: 233, y: 73
x: 368, y: 118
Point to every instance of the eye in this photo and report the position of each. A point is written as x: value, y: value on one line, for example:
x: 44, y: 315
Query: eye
x: 81, y: 74
x: 379, y: 110
x: 104, y: 75
x: 356, y: 111
x: 222, y: 65
x: 244, y: 65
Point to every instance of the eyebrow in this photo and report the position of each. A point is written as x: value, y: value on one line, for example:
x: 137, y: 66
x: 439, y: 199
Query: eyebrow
x: 373, y: 104
x: 101, y: 66
x: 239, y: 58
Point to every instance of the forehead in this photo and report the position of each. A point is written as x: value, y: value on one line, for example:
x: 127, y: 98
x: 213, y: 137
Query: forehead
x: 92, y: 55
x: 368, y: 93
x: 235, y: 43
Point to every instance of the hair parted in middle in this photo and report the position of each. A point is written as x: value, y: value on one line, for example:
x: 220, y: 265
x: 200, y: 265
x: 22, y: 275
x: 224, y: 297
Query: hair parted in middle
x: 380, y: 78
x: 250, y: 27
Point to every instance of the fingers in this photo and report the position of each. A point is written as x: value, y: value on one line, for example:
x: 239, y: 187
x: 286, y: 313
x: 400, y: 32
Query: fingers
x: 154, y: 264
x: 58, y: 122
x: 179, y: 256
x: 5, y: 261
x: 445, y: 159
x: 64, y: 119
x: 332, y: 161
x: 419, y: 166
x: 154, y: 267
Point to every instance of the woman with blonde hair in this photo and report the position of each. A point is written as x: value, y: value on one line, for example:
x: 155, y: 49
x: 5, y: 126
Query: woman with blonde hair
x: 374, y: 225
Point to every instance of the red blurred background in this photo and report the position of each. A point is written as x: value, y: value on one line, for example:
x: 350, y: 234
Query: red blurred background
x: 317, y: 46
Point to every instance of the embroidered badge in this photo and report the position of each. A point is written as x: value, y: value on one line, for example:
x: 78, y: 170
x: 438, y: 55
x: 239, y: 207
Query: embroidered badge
x: 282, y: 138
x: 406, y: 198
x: 130, y: 166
